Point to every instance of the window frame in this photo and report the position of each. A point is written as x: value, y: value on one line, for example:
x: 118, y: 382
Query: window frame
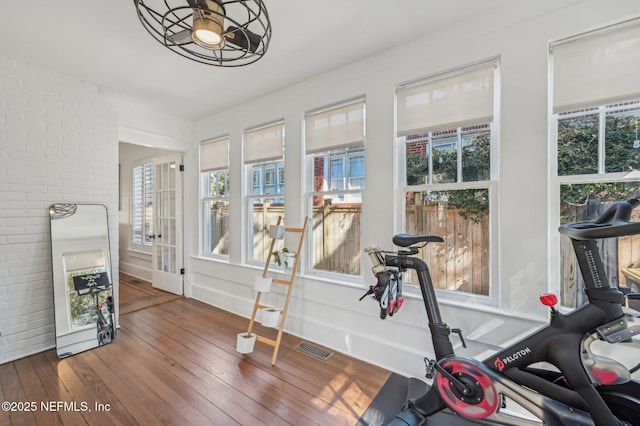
x: 251, y: 197
x: 605, y: 88
x: 272, y: 167
x: 206, y: 197
x: 600, y: 177
x: 343, y: 152
x: 491, y: 184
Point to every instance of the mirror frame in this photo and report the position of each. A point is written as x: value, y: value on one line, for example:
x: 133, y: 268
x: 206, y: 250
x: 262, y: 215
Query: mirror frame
x: 82, y: 277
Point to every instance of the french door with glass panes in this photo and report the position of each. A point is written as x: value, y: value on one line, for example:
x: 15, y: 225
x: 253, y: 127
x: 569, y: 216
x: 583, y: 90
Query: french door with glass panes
x: 167, y: 259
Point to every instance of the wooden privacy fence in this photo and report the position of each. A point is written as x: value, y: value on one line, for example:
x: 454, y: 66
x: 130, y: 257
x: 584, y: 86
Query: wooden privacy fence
x: 336, y: 238
x: 461, y: 263
x: 264, y: 215
x: 617, y: 253
x: 219, y: 230
x: 335, y: 235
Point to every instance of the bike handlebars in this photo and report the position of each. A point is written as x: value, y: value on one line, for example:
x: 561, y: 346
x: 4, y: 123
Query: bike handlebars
x: 614, y: 222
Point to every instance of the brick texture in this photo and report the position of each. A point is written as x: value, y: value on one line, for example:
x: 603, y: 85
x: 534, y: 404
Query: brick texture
x: 58, y: 143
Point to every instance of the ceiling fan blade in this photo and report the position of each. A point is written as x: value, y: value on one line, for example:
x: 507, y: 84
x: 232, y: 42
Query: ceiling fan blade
x: 236, y: 36
x: 181, y: 37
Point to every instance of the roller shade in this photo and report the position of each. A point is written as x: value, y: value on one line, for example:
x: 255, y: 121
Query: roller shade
x: 214, y: 155
x: 335, y: 128
x: 450, y: 101
x: 264, y: 143
x: 597, y: 68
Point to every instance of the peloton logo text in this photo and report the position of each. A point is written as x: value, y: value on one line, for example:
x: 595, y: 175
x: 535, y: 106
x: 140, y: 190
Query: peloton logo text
x: 500, y: 363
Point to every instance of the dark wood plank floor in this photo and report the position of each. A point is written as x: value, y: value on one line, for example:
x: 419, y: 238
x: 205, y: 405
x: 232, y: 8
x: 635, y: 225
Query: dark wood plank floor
x: 174, y: 362
x: 136, y: 294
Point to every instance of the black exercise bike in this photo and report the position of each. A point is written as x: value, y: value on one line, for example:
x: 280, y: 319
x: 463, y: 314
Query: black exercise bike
x: 582, y: 389
x: 94, y: 285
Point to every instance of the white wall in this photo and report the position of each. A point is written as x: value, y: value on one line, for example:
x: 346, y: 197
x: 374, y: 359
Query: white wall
x: 329, y: 313
x: 58, y: 140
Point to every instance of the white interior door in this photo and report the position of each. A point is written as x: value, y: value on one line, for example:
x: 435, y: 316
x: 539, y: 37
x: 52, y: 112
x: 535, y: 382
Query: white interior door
x: 167, y: 258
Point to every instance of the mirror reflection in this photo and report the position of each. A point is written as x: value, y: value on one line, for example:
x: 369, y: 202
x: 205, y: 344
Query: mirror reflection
x: 82, y: 284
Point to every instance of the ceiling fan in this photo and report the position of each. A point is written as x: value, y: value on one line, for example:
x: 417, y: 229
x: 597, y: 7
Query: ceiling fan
x: 196, y: 29
x: 207, y: 28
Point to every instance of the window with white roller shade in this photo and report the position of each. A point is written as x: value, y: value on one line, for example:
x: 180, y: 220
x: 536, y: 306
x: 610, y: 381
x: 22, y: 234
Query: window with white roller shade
x: 457, y: 99
x: 596, y: 68
x: 338, y: 127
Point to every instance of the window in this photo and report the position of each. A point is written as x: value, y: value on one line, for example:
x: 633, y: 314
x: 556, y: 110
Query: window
x: 81, y: 306
x: 142, y: 207
x: 596, y: 118
x: 334, y: 139
x: 445, y: 140
x: 264, y: 163
x: 214, y: 175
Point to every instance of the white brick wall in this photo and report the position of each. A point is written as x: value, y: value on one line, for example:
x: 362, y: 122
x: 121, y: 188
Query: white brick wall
x: 58, y: 143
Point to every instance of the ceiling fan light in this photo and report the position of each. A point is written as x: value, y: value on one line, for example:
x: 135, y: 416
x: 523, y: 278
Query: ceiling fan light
x: 207, y: 28
x: 195, y: 30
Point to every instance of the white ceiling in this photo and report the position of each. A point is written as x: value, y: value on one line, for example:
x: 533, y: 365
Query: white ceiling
x: 103, y: 43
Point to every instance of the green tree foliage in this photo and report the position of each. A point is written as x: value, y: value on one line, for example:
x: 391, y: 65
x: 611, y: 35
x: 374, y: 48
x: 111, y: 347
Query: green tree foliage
x: 622, y: 152
x: 573, y: 196
x: 81, y: 306
x: 417, y: 169
x: 472, y: 204
x: 476, y: 157
x: 578, y: 146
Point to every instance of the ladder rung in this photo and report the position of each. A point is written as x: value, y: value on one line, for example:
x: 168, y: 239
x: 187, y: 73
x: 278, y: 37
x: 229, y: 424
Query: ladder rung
x: 259, y: 306
x: 265, y: 340
x: 281, y: 281
x: 294, y: 229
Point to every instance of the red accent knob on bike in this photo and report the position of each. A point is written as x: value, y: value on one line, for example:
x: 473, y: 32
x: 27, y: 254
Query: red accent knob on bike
x: 548, y: 299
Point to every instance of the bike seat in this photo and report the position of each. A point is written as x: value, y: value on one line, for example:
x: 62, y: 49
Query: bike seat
x: 406, y: 240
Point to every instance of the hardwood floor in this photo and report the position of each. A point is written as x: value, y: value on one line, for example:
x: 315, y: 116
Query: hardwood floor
x: 174, y: 362
x: 136, y: 294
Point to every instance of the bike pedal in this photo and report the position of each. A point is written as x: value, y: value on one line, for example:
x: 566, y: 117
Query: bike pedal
x: 429, y: 366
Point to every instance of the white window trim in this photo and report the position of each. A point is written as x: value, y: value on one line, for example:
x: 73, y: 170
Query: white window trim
x: 310, y: 191
x: 203, y: 202
x: 330, y: 276
x: 458, y: 296
x: 250, y: 197
x: 495, y: 281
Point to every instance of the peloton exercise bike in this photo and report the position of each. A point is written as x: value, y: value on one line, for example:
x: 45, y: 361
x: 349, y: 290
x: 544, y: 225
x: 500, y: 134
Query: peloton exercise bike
x: 582, y: 389
x: 93, y: 285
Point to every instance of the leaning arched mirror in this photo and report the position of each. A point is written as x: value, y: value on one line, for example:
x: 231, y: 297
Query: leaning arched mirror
x: 82, y: 282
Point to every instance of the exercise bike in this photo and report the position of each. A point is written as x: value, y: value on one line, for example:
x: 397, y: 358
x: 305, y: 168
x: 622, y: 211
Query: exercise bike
x: 582, y: 389
x: 94, y: 285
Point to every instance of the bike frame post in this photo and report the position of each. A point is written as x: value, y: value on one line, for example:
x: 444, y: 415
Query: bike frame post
x: 439, y: 329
